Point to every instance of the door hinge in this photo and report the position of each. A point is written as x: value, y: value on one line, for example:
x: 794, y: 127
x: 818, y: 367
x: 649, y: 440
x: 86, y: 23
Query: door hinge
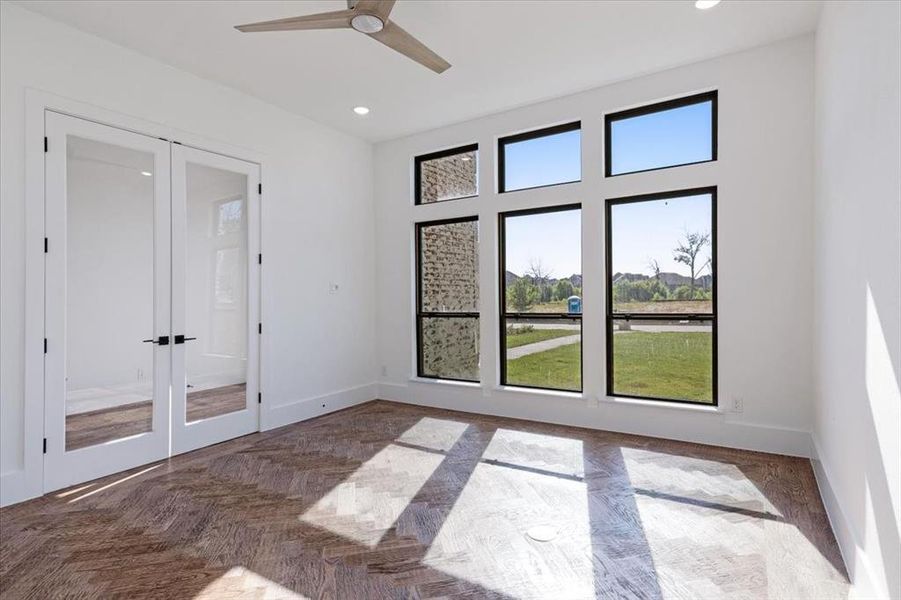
x: 259, y: 259
x: 260, y: 328
x: 260, y: 189
x: 45, y: 445
x: 46, y: 144
x: 45, y: 345
x: 260, y: 398
x: 46, y: 245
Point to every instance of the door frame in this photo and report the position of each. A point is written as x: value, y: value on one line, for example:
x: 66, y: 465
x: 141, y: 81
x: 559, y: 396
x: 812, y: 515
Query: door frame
x: 27, y: 482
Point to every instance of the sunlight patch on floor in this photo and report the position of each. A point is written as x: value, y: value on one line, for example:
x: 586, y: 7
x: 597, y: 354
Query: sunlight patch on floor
x: 115, y: 483
x: 239, y: 583
x: 536, y: 451
x: 489, y: 522
x: 437, y: 434
x: 365, y: 506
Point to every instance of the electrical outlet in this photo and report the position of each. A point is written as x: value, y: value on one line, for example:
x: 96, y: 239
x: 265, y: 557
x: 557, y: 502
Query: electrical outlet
x: 738, y: 404
x: 332, y: 288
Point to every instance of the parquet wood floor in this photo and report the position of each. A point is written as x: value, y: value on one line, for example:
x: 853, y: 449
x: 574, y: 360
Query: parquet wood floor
x: 386, y: 500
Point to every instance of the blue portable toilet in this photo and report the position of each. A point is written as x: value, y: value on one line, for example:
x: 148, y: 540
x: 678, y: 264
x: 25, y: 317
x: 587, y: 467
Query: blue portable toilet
x: 574, y: 305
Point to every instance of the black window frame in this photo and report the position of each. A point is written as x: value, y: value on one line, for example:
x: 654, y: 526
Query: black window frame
x: 648, y: 109
x: 503, y: 142
x: 417, y: 172
x: 700, y: 317
x: 421, y: 314
x: 504, y: 315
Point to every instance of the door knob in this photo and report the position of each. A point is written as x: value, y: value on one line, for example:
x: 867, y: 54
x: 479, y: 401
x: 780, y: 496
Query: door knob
x: 180, y: 339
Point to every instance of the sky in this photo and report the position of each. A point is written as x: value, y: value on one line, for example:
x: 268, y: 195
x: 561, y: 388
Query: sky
x: 641, y: 231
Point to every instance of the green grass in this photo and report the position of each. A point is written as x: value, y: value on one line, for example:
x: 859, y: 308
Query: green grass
x: 536, y: 335
x: 558, y: 368
x: 671, y: 365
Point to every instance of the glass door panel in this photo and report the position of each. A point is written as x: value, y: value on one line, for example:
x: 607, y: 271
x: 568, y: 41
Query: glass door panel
x: 107, y: 300
x: 215, y: 298
x: 216, y: 291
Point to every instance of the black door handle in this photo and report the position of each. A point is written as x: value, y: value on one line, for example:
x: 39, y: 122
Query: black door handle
x: 180, y: 339
x: 162, y: 341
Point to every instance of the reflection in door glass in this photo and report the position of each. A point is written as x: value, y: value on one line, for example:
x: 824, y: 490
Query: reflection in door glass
x: 109, y: 292
x: 216, y: 292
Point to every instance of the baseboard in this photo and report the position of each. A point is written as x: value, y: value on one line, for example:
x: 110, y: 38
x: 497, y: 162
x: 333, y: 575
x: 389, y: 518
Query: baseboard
x: 13, y: 488
x: 308, y: 408
x: 702, y: 427
x: 864, y: 584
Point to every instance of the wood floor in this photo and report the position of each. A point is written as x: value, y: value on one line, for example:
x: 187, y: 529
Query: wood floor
x: 392, y: 501
x: 98, y: 426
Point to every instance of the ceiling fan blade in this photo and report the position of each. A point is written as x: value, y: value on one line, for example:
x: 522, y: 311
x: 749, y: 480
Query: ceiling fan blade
x: 379, y: 8
x: 397, y: 39
x: 338, y: 19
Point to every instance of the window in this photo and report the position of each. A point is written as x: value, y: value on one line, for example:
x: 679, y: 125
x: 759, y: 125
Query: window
x: 541, y: 298
x: 447, y: 302
x: 661, y: 296
x: 447, y: 175
x: 539, y: 158
x: 668, y: 134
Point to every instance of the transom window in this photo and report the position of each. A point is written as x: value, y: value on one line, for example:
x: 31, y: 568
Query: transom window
x: 540, y: 158
x: 661, y: 296
x: 667, y: 134
x: 447, y: 175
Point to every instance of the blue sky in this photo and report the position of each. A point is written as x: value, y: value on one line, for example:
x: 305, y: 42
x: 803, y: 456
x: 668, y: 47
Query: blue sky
x: 642, y: 231
x: 671, y: 137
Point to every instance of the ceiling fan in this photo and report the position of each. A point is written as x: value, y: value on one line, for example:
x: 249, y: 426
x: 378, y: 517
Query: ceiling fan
x: 369, y: 17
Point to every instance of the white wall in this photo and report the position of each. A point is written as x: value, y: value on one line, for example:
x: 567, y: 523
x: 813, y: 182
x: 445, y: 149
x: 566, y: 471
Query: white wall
x: 317, y: 217
x: 765, y: 215
x: 857, y: 429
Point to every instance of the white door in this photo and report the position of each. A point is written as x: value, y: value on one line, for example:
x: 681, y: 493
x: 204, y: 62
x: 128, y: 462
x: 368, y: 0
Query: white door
x: 107, y: 304
x: 215, y: 298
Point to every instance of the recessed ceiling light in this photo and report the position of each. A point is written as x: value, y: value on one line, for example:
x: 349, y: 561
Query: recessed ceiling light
x: 361, y: 110
x: 705, y: 4
x: 146, y: 173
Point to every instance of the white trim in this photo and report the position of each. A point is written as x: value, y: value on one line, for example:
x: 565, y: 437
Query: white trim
x: 704, y: 427
x: 307, y: 408
x: 864, y: 582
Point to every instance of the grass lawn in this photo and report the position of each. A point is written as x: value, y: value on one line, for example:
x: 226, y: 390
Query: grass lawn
x: 672, y: 365
x: 536, y: 335
x: 559, y: 368
x: 665, y: 306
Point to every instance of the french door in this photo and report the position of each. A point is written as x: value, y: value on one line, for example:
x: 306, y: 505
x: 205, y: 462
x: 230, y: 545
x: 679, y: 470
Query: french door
x: 151, y: 299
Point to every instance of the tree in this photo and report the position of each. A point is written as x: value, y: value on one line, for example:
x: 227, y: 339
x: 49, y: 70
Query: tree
x: 540, y: 277
x: 687, y: 253
x: 654, y: 266
x: 521, y: 295
x: 563, y: 289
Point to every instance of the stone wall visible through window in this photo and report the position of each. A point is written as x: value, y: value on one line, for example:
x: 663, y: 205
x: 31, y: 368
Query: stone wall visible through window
x: 448, y: 302
x: 447, y: 175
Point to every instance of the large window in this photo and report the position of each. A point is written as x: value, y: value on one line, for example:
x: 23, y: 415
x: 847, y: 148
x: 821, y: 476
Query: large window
x: 661, y: 296
x: 540, y: 158
x: 541, y: 298
x: 667, y: 134
x: 447, y: 175
x: 447, y: 299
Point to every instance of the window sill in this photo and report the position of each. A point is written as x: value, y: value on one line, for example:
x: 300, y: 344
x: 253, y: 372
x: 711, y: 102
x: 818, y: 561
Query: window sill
x: 450, y: 382
x: 539, y: 392
x: 661, y: 404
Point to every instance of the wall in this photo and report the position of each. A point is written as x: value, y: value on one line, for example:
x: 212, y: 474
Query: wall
x: 857, y: 427
x: 765, y: 214
x: 317, y: 219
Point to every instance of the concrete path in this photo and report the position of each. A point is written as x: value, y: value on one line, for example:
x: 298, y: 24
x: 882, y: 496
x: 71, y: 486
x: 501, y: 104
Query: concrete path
x: 541, y: 346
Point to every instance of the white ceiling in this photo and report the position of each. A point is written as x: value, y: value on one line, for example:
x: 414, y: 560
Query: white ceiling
x: 505, y: 53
